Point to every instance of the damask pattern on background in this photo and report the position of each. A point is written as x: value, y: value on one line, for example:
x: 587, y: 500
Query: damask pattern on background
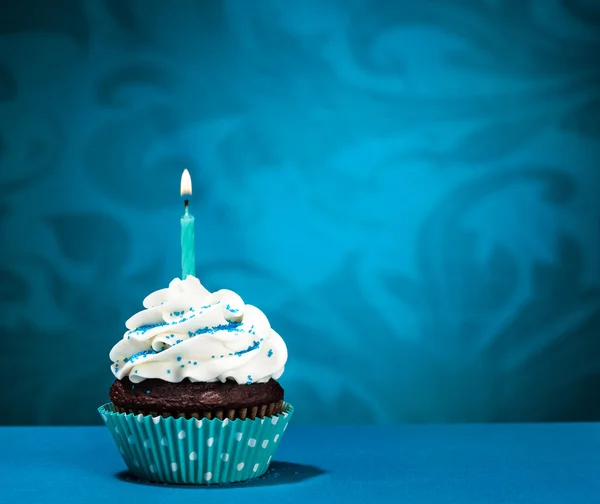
x: 409, y: 190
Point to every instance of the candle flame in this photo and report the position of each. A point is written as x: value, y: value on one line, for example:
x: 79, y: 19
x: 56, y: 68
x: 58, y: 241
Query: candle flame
x: 186, y: 182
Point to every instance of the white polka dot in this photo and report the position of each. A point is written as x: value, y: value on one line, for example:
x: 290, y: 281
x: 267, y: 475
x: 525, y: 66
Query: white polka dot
x: 224, y: 457
x: 251, y: 442
x: 152, y: 468
x: 140, y: 418
x: 173, y: 466
x: 193, y: 456
x: 131, y: 439
x: 238, y: 436
x: 147, y: 443
x: 181, y: 434
x: 269, y: 460
x: 265, y: 443
x: 240, y: 466
x: 255, y: 468
x: 210, y: 441
x: 156, y: 419
x: 225, y: 422
x: 104, y: 417
x: 276, y: 438
x: 208, y: 476
x: 198, y: 423
x: 274, y: 420
x: 117, y: 430
x: 163, y: 441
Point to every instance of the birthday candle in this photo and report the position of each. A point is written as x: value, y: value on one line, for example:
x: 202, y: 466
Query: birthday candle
x: 188, y: 253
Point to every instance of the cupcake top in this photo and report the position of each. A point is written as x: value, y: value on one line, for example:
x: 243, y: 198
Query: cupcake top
x: 187, y: 332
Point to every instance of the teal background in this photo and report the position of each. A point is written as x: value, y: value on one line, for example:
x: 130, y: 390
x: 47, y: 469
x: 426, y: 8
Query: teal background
x: 409, y: 190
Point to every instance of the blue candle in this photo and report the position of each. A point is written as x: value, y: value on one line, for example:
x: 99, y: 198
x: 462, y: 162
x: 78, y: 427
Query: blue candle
x: 188, y: 253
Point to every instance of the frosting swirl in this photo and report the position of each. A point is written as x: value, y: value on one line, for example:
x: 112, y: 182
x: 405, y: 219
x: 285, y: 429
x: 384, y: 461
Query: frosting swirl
x: 186, y: 331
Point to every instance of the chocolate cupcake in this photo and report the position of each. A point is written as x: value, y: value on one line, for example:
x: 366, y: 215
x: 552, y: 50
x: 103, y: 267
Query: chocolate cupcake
x: 193, y: 358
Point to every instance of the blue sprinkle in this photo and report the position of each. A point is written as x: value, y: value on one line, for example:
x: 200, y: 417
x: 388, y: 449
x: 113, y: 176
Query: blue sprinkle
x: 179, y: 358
x: 254, y: 346
x: 189, y: 362
x: 132, y: 387
x: 222, y: 356
x: 145, y: 328
x: 183, y: 365
x: 229, y: 327
x: 147, y: 391
x: 143, y: 354
x: 168, y: 371
x: 270, y: 352
x: 212, y: 356
x: 195, y: 363
x: 135, y: 371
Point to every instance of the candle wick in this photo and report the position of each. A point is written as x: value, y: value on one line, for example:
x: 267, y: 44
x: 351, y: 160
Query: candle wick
x: 187, y: 210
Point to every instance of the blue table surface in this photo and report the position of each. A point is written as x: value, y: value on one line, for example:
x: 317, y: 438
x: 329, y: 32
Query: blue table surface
x: 493, y: 463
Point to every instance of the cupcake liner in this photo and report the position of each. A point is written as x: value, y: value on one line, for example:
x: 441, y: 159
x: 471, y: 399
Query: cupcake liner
x: 193, y: 451
x: 241, y: 413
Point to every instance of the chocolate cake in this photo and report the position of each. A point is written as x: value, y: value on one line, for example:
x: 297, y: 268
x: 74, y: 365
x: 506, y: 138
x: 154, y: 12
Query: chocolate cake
x: 197, y: 399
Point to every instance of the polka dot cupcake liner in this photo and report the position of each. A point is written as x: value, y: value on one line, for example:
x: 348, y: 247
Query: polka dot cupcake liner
x: 192, y: 451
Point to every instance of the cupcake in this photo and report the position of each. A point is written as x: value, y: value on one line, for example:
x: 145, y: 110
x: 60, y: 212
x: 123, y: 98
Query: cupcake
x: 196, y: 397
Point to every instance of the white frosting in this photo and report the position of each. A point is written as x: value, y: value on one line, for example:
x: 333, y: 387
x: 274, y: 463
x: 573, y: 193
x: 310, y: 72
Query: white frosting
x: 188, y: 332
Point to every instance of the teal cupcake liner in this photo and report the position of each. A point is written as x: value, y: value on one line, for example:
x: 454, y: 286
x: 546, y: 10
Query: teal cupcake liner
x: 191, y: 451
